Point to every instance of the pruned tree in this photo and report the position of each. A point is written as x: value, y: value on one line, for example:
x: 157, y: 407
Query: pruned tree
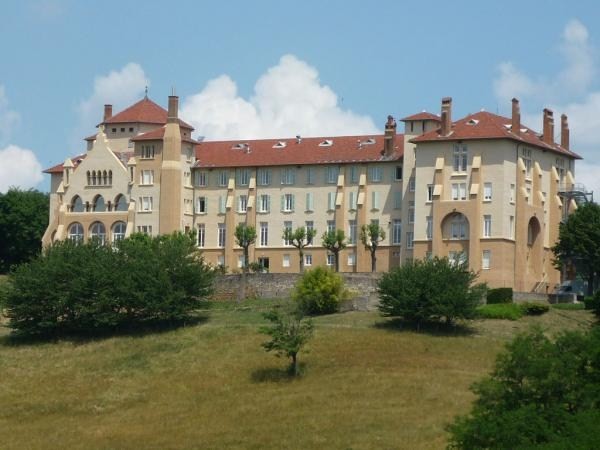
x: 334, y: 241
x: 370, y: 236
x: 299, y: 238
x: 245, y: 236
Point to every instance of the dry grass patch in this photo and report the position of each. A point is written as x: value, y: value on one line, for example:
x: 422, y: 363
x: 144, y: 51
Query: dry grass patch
x: 212, y: 386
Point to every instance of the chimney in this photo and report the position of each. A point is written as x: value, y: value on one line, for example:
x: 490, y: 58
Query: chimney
x: 173, y: 109
x: 446, y: 115
x: 389, y: 139
x: 107, y: 112
x: 548, y: 131
x: 564, y: 132
x: 516, y: 117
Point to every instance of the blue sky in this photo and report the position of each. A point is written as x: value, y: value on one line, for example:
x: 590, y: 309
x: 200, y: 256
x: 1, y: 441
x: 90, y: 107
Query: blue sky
x: 273, y: 68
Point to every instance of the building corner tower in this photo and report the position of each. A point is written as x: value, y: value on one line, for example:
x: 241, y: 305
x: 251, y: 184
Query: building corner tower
x: 170, y: 177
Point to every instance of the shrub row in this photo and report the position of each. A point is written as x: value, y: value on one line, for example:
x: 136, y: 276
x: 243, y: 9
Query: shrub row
x: 511, y: 311
x: 499, y: 295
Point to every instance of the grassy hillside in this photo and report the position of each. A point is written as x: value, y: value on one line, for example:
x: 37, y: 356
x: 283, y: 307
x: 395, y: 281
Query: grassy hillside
x: 211, y: 385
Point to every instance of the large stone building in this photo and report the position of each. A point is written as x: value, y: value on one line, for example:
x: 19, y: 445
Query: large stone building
x: 485, y: 188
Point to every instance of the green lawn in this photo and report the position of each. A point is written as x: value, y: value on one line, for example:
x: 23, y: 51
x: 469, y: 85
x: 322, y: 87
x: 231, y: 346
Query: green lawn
x: 211, y: 385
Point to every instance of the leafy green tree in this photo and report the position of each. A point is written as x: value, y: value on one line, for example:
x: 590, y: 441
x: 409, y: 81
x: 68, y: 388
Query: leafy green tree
x: 579, y: 243
x: 429, y: 290
x: 334, y: 241
x: 289, y: 331
x: 541, y: 394
x: 319, y: 291
x: 299, y: 238
x: 245, y: 236
x: 23, y: 221
x: 370, y: 236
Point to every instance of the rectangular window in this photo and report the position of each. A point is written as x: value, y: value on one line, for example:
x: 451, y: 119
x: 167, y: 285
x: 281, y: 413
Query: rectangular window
x: 264, y: 234
x: 398, y: 173
x: 145, y: 204
x: 201, y: 235
x: 331, y: 174
x: 411, y: 211
x: 287, y: 202
x: 409, y: 239
x: 354, y: 173
x: 398, y: 200
x: 223, y: 178
x: 201, y: 205
x: 487, y: 192
x: 243, y: 177
x: 374, y: 200
x: 310, y: 226
x: 222, y: 204
x: 460, y: 158
x: 331, y: 201
x: 308, y: 259
x: 512, y: 193
x: 375, y: 174
x: 511, y: 225
x: 330, y: 226
x: 286, y: 260
x: 485, y: 259
x: 411, y: 184
x: 288, y: 175
x: 147, y: 151
x: 146, y: 229
x: 526, y: 155
x: 458, y: 229
x: 310, y: 175
x: 200, y: 178
x: 487, y: 226
x: 330, y: 259
x: 265, y: 203
x: 352, y: 232
x: 188, y: 206
x: 264, y: 177
x: 240, y: 263
x: 242, y: 203
x: 147, y: 177
x: 310, y: 201
x: 351, y: 259
x: 429, y: 227
x: 221, y: 235
x: 396, y: 231
x: 352, y: 200
x: 459, y: 191
x: 187, y: 179
x: 430, y: 192
x: 287, y: 225
x: 221, y: 260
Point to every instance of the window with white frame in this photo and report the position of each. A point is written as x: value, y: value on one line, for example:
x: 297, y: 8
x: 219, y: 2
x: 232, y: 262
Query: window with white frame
x: 145, y: 204
x: 460, y: 158
x: 240, y: 263
x: 310, y: 226
x: 430, y: 192
x: 409, y: 239
x: 221, y: 234
x: 201, y: 205
x: 352, y: 196
x: 512, y: 193
x: 288, y: 175
x: 200, y: 178
x: 331, y: 174
x: 221, y: 260
x: 287, y: 227
x: 146, y: 229
x: 487, y: 226
x: 354, y: 174
x: 398, y: 173
x: 147, y: 151
x: 201, y: 235
x: 398, y: 200
x: 351, y: 259
x: 375, y: 200
x: 486, y: 256
x: 264, y: 234
x: 459, y: 191
x: 287, y: 202
x: 223, y: 178
x: 307, y: 259
x: 264, y: 177
x: 76, y: 232
x: 330, y: 259
x: 222, y: 204
x: 310, y: 175
x: 487, y: 192
x: 243, y: 177
x: 118, y: 232
x: 455, y: 257
x: 265, y: 203
x: 526, y: 155
x: 411, y: 184
x: 330, y: 226
x: 429, y: 227
x: 242, y: 203
x: 330, y: 201
x: 147, y: 177
x: 310, y: 204
x: 286, y: 260
x: 396, y: 231
x: 411, y: 211
x: 352, y: 232
x: 375, y: 174
x: 458, y: 227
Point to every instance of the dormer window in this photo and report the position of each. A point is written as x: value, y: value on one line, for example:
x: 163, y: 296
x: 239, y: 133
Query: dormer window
x: 370, y: 141
x: 473, y: 122
x: 239, y: 147
x: 326, y: 143
x: 280, y: 144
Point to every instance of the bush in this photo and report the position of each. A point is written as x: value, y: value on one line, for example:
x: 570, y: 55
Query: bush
x: 319, y: 291
x: 499, y: 295
x: 541, y: 394
x: 429, y: 290
x: 534, y: 308
x: 85, y: 287
x: 502, y: 311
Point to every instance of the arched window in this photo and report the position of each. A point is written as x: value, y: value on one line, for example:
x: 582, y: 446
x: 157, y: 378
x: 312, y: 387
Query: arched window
x: 76, y: 232
x: 110, y: 177
x: 97, y: 231
x: 104, y: 178
x: 99, y: 205
x: 93, y: 178
x: 89, y: 178
x: 118, y: 231
x: 120, y: 203
x: 77, y: 204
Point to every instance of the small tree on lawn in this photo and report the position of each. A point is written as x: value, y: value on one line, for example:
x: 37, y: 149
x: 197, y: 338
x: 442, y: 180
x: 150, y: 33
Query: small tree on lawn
x: 299, y: 238
x: 371, y: 235
x: 334, y: 241
x: 289, y: 332
x: 245, y: 236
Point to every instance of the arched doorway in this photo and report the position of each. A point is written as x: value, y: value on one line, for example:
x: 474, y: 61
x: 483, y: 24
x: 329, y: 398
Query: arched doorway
x: 534, y: 248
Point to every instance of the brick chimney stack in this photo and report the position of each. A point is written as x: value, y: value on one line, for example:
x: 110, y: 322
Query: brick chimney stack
x: 548, y: 132
x: 389, y: 139
x: 516, y: 117
x: 107, y: 112
x: 446, y: 115
x: 173, y: 109
x: 564, y: 131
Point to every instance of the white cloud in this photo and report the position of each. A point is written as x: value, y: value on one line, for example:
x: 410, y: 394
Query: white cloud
x: 8, y: 119
x: 19, y: 168
x: 288, y: 99
x: 119, y: 88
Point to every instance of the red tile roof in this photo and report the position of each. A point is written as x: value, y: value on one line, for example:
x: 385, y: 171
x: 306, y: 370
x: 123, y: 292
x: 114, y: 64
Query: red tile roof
x: 422, y: 116
x: 158, y: 134
x: 485, y: 125
x: 59, y: 167
x: 344, y: 149
x: 144, y: 111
